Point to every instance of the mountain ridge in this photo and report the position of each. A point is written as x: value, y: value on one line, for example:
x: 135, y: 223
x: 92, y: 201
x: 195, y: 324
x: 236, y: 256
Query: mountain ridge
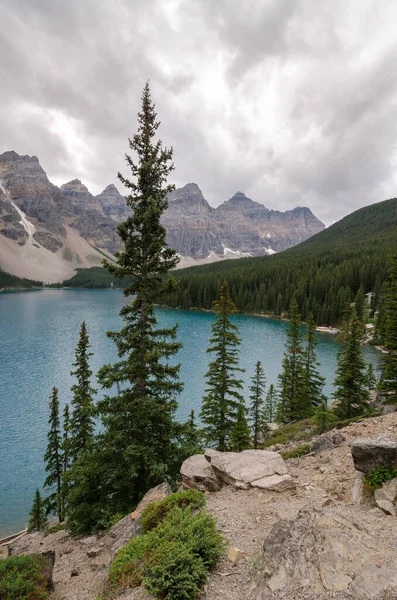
x: 75, y: 226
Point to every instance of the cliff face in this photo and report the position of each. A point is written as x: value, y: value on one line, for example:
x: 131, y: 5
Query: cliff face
x: 239, y: 226
x: 113, y: 204
x: 34, y: 214
x: 50, y: 210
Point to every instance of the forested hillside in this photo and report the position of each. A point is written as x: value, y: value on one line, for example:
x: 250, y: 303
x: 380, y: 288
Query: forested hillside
x: 8, y: 281
x: 323, y: 273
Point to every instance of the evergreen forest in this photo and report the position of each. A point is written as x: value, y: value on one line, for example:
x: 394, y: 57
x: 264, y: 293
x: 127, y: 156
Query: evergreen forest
x: 323, y: 273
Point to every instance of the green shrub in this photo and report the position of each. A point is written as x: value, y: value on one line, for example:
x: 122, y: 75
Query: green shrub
x: 173, y: 557
x: 296, y: 452
x: 54, y: 528
x: 377, y: 477
x: 300, y: 430
x: 176, y: 574
x: 22, y: 578
x: 155, y: 512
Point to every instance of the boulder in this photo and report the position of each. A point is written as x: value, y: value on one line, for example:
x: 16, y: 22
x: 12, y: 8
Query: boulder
x: 250, y: 468
x: 371, y: 453
x: 275, y: 483
x: 241, y: 469
x: 321, y: 443
x: 196, y: 472
x: 386, y: 506
x: 386, y: 497
x: 338, y: 438
x: 322, y: 553
x: 129, y: 527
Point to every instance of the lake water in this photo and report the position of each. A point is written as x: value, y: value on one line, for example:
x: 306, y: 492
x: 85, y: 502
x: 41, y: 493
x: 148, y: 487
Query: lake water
x: 38, y: 335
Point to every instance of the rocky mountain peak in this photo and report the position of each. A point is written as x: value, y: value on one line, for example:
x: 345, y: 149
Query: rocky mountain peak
x: 113, y: 203
x: 111, y: 188
x: 188, y: 193
x: 74, y: 185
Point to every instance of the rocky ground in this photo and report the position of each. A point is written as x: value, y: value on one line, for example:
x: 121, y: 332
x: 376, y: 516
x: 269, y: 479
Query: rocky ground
x: 246, y: 518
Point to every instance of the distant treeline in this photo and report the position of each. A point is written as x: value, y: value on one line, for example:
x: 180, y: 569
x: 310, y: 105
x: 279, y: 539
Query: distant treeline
x: 94, y: 278
x: 323, y: 273
x: 8, y: 281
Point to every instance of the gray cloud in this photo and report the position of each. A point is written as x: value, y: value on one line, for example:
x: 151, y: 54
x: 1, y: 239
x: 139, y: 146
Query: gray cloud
x: 291, y: 102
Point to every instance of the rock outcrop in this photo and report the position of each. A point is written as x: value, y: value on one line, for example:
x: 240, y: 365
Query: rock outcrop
x: 36, y: 214
x: 321, y: 552
x: 242, y: 470
x: 386, y: 497
x: 129, y: 527
x: 238, y: 227
x: 371, y: 453
x: 113, y: 204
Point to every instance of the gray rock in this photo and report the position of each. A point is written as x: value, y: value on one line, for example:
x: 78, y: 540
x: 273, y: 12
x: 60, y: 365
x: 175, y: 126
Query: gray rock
x: 321, y: 443
x: 338, y: 438
x: 386, y: 496
x: 388, y: 491
x: 386, y: 506
x: 196, y: 472
x: 275, y: 483
x: 241, y: 469
x: 209, y: 453
x: 93, y: 552
x: 371, y: 453
x: 320, y: 553
x: 129, y: 527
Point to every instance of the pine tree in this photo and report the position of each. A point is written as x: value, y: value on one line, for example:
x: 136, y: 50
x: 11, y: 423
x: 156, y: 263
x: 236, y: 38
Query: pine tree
x: 241, y: 436
x: 138, y: 412
x: 190, y: 443
x: 257, y: 390
x: 360, y: 304
x: 371, y: 377
x: 292, y: 404
x: 324, y: 416
x: 271, y: 404
x: 222, y: 398
x: 313, y: 381
x: 53, y: 459
x: 388, y: 383
x: 350, y: 382
x: 37, y: 516
x: 65, y: 457
x: 82, y: 422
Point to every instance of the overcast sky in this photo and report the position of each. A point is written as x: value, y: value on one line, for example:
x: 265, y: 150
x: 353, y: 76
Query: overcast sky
x: 293, y: 102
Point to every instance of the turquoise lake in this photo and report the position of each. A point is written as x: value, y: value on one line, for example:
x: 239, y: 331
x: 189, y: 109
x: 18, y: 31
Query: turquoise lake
x: 38, y: 335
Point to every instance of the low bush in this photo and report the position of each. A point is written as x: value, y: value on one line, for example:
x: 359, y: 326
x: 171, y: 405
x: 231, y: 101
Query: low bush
x: 300, y: 430
x: 23, y: 578
x: 157, y: 511
x: 173, y: 558
x: 296, y: 452
x: 377, y: 477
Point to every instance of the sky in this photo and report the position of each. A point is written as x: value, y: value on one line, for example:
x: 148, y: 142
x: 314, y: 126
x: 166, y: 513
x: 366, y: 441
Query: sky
x: 293, y: 102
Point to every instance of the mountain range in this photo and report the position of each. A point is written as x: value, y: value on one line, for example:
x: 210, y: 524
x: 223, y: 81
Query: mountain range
x: 46, y: 232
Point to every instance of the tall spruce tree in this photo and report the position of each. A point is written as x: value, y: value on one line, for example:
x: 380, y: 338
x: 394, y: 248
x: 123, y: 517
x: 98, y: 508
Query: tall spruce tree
x: 293, y: 403
x: 313, y: 381
x: 37, y: 516
x: 240, y: 438
x: 82, y: 423
x: 138, y: 412
x: 65, y: 457
x: 53, y: 459
x: 257, y: 389
x: 270, y: 408
x: 371, y: 377
x: 388, y: 383
x: 222, y: 397
x: 351, y: 391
